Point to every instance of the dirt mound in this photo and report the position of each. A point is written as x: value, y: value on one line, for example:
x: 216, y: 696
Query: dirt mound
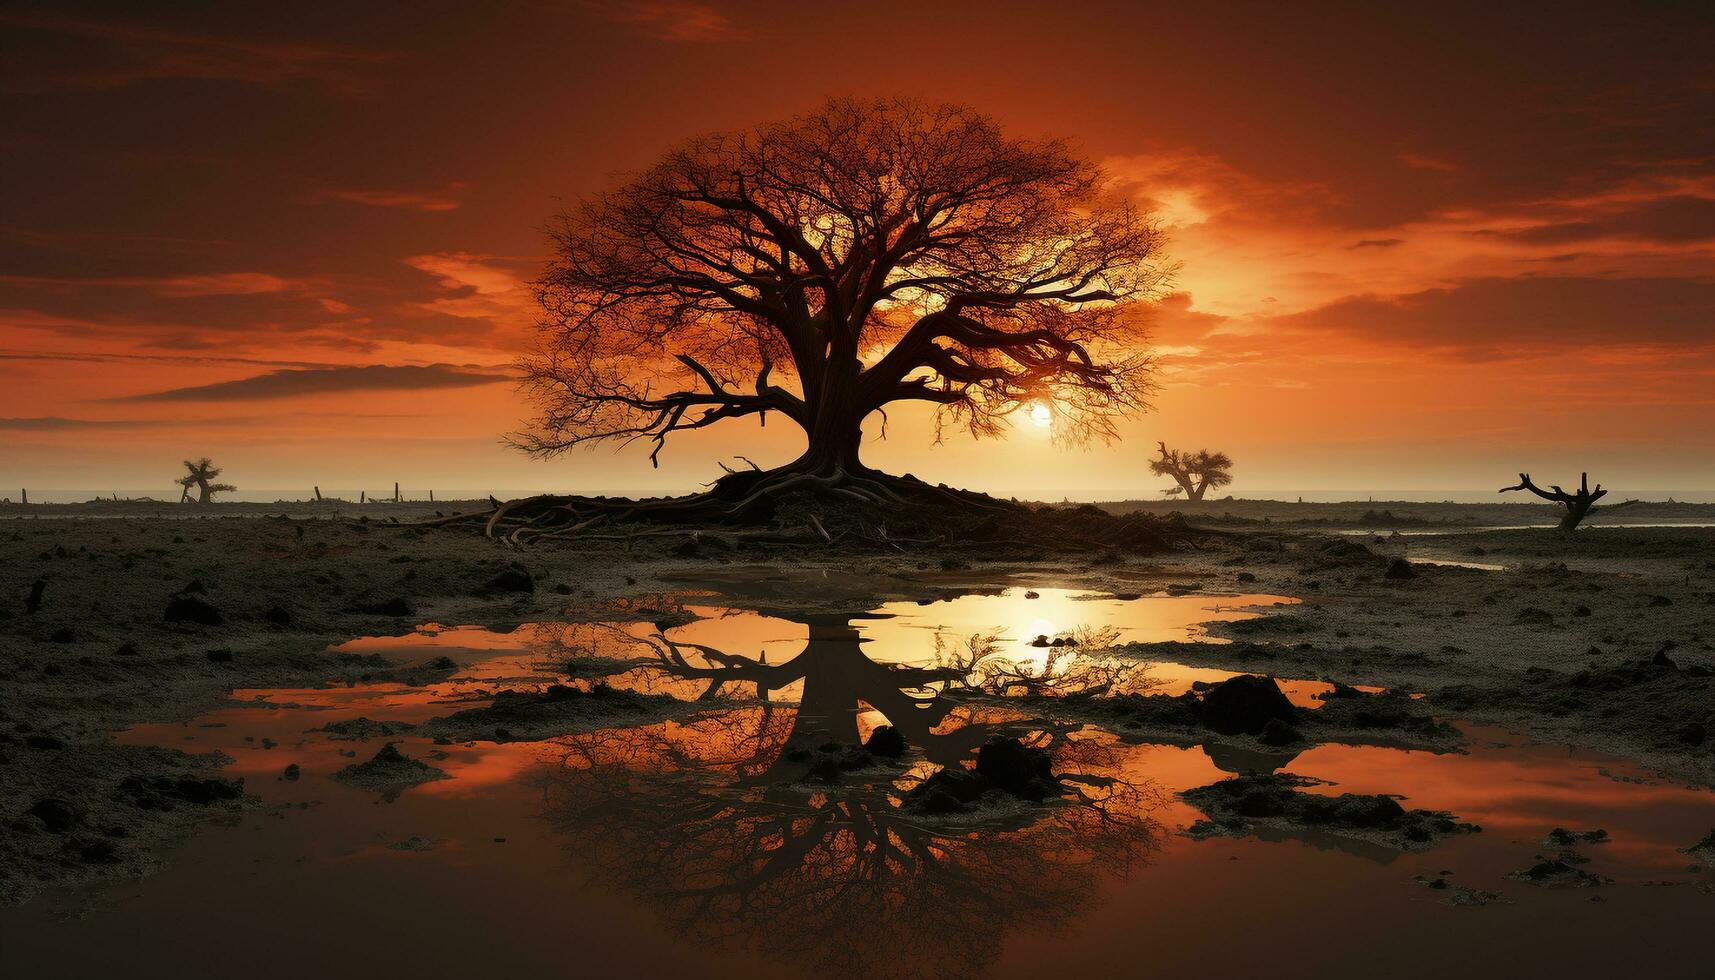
x: 1005, y: 767
x: 559, y: 709
x: 1237, y: 806
x: 868, y: 512
x: 389, y: 772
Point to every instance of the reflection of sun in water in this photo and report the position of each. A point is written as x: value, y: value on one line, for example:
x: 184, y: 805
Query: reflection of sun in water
x: 1042, y: 415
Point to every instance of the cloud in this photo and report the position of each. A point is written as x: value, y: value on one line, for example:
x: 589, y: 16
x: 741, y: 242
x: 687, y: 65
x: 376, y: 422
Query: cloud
x: 1375, y: 243
x: 669, y: 21
x: 202, y: 284
x: 319, y: 381
x: 1185, y: 188
x: 103, y: 357
x: 107, y: 53
x: 441, y: 200
x: 1676, y: 220
x: 1418, y: 161
x: 1496, y: 317
x: 477, y: 287
x: 52, y: 423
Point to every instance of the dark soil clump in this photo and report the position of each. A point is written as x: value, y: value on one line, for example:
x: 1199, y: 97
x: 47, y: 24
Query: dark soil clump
x: 1237, y: 806
x: 559, y: 709
x: 389, y: 772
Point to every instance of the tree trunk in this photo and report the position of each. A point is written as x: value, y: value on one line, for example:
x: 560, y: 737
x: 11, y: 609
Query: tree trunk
x: 204, y: 498
x: 1575, y: 512
x: 835, y: 431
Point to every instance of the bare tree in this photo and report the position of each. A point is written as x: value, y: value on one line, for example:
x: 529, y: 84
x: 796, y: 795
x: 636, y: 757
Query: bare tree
x: 1578, y: 505
x: 823, y: 268
x: 1194, y: 473
x: 201, y: 475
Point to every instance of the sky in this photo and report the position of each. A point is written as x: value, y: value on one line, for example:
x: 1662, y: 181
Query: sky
x: 1421, y: 247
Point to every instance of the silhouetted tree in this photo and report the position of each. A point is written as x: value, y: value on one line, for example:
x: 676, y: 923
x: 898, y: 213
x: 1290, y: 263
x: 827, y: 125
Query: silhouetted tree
x: 870, y: 252
x: 1577, y: 504
x: 1195, y: 473
x: 202, y: 473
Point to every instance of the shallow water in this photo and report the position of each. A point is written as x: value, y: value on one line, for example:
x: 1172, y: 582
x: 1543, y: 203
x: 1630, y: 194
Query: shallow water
x: 691, y: 847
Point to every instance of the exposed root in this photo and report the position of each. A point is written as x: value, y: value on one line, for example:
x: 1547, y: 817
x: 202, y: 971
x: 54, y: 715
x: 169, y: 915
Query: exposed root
x: 814, y: 508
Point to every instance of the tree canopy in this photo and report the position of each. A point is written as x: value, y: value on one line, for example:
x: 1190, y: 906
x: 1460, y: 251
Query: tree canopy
x: 822, y: 268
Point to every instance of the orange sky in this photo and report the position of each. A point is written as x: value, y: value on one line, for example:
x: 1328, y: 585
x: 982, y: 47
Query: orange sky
x: 1422, y: 249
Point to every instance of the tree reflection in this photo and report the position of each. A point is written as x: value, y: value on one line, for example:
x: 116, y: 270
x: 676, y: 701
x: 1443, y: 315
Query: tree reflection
x: 770, y: 828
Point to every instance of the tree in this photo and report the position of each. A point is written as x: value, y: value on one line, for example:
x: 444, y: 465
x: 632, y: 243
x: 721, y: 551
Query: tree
x: 1577, y: 504
x: 1194, y: 472
x: 202, y: 472
x: 867, y: 253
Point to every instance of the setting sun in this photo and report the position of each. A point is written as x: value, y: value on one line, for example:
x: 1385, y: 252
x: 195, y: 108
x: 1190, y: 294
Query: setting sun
x: 765, y: 489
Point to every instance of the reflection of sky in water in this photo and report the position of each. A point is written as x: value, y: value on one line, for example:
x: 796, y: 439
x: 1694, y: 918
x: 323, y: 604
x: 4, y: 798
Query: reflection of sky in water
x: 317, y: 859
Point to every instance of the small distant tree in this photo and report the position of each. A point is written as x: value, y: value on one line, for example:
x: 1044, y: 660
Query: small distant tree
x: 201, y: 475
x: 1194, y: 472
x: 1578, y: 505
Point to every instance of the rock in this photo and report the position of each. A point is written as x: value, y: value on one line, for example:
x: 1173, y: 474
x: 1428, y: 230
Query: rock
x: 1247, y: 577
x: 1704, y: 850
x: 397, y: 606
x: 1233, y: 805
x: 219, y: 656
x: 1558, y: 874
x: 1009, y: 765
x: 56, y: 814
x: 277, y: 616
x: 1472, y: 898
x: 389, y: 771
x: 1531, y: 616
x: 1245, y: 705
x: 126, y: 649
x: 64, y: 634
x: 291, y: 773
x: 1561, y: 837
x: 363, y: 729
x: 1399, y: 568
x: 162, y: 792
x: 511, y: 580
x: 189, y: 609
x: 886, y: 741
x: 95, y: 850
x: 1005, y: 766
x: 1278, y: 732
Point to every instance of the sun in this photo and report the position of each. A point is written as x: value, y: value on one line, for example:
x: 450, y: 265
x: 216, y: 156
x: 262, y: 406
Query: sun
x: 1042, y: 415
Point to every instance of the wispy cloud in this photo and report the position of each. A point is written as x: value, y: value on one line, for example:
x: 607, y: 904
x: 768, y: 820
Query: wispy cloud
x: 103, y: 357
x: 200, y: 284
x: 52, y: 423
x: 697, y: 23
x: 321, y: 381
x: 132, y: 53
x: 445, y: 199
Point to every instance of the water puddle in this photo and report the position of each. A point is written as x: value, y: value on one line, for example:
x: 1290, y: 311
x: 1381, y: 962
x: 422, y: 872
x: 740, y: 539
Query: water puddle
x: 716, y: 795
x: 1481, y: 566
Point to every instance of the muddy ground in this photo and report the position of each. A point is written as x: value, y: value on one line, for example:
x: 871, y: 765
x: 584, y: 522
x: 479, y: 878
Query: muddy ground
x: 157, y: 613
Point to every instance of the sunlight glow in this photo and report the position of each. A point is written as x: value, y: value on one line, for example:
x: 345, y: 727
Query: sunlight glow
x: 1042, y: 415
